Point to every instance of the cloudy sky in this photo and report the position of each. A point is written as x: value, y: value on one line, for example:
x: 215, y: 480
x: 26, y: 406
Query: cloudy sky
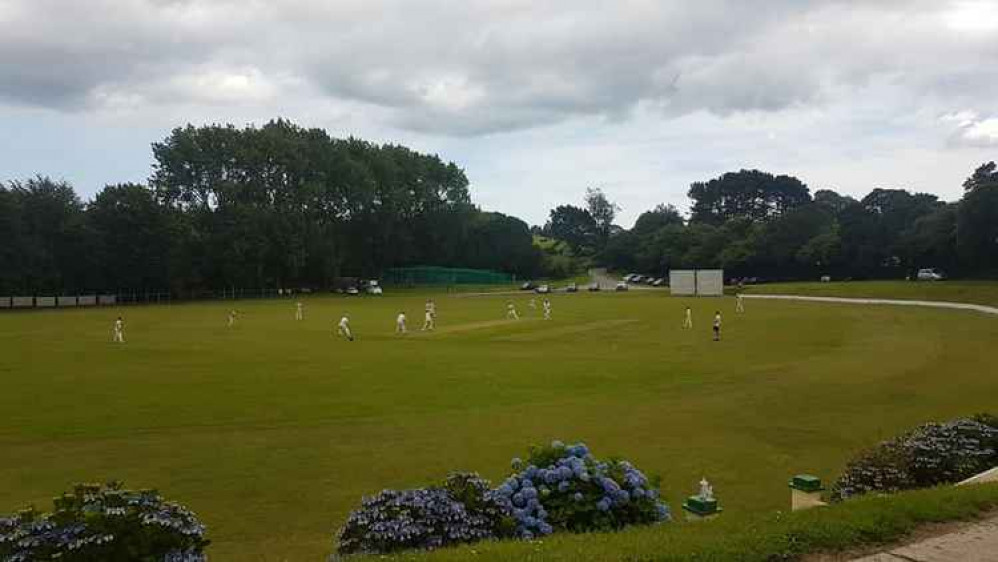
x: 535, y: 100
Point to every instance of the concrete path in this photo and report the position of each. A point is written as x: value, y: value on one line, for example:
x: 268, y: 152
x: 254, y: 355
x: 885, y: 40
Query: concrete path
x: 978, y: 543
x: 931, y: 304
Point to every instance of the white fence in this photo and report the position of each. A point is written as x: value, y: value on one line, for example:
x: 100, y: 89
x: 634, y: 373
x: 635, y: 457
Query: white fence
x: 4, y: 302
x: 699, y: 282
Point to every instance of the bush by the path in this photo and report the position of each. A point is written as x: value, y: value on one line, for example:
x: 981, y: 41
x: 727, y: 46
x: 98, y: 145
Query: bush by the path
x: 935, y: 453
x: 106, y: 523
x: 565, y: 488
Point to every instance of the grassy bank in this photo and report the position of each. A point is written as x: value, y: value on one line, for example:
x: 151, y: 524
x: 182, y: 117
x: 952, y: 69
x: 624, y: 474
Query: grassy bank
x: 977, y: 292
x: 745, y: 537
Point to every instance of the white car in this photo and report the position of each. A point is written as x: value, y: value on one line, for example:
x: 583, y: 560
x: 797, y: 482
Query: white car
x: 930, y: 274
x: 373, y: 288
x: 621, y: 286
x: 542, y: 290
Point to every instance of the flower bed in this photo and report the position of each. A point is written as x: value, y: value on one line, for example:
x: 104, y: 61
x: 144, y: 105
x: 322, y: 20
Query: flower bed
x: 932, y: 454
x: 106, y: 523
x: 558, y: 488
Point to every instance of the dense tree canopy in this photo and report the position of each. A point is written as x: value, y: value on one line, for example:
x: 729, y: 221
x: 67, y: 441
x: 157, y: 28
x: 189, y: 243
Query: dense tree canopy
x: 755, y: 224
x: 746, y: 194
x: 283, y: 206
x: 275, y: 206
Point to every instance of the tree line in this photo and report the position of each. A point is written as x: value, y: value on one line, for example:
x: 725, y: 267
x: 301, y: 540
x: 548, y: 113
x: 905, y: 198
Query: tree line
x: 274, y: 206
x: 753, y: 223
x: 284, y: 206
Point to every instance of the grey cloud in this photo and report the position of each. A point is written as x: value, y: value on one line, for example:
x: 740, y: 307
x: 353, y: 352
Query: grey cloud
x: 480, y: 67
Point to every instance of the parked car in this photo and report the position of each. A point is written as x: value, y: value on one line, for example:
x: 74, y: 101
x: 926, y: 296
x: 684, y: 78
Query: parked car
x: 352, y: 291
x: 826, y: 278
x: 572, y: 288
x: 930, y: 274
x: 373, y: 288
x: 621, y: 286
x: 527, y: 286
x: 658, y: 282
x: 542, y: 290
x: 594, y: 287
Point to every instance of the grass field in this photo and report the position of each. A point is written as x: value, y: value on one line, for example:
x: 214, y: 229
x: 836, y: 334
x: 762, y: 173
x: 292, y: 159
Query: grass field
x: 273, y: 430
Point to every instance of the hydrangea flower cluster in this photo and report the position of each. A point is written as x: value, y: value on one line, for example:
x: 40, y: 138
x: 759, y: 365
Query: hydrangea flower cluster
x: 566, y: 488
x: 461, y: 511
x: 935, y: 453
x: 105, y: 523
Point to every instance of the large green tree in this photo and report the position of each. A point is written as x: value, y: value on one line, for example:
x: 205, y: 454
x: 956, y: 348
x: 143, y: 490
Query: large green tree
x: 977, y: 220
x: 751, y: 194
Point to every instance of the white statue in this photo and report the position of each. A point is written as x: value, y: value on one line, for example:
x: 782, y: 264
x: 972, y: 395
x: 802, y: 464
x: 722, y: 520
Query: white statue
x: 706, y: 490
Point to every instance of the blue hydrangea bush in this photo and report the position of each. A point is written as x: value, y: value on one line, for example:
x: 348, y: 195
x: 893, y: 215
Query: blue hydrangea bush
x: 566, y: 488
x: 463, y: 510
x: 929, y: 455
x: 558, y: 488
x: 105, y: 523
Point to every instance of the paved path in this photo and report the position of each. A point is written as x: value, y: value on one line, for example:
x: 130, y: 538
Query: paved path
x: 978, y: 543
x: 932, y: 304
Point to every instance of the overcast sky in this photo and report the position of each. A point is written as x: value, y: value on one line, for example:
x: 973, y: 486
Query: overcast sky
x: 536, y: 100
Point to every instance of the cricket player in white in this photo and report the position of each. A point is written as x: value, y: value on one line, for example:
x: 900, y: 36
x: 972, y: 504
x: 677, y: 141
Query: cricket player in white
x: 343, y: 328
x: 688, y: 320
x: 547, y: 309
x: 299, y: 312
x: 232, y: 318
x: 119, y: 331
x: 400, y: 323
x: 739, y: 303
x: 429, y: 320
x: 717, y: 326
x: 511, y: 312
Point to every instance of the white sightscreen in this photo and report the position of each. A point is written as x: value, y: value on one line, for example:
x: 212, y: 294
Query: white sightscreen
x: 66, y: 301
x: 4, y: 302
x: 710, y: 282
x: 87, y: 300
x: 22, y: 302
x: 44, y: 301
x: 682, y: 282
x: 106, y: 299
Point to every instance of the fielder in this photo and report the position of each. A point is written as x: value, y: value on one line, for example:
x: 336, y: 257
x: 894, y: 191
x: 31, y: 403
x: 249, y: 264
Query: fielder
x: 511, y: 312
x: 688, y: 320
x: 739, y: 303
x: 343, y: 328
x: 400, y: 323
x: 547, y: 309
x: 717, y: 325
x: 118, y: 334
x: 232, y: 318
x: 299, y: 311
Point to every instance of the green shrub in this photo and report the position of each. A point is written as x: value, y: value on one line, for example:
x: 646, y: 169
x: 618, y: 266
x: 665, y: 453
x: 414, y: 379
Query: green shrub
x: 106, y: 524
x: 926, y: 456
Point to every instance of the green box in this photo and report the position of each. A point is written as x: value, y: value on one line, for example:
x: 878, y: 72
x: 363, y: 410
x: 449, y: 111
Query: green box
x: 806, y: 483
x: 696, y: 504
